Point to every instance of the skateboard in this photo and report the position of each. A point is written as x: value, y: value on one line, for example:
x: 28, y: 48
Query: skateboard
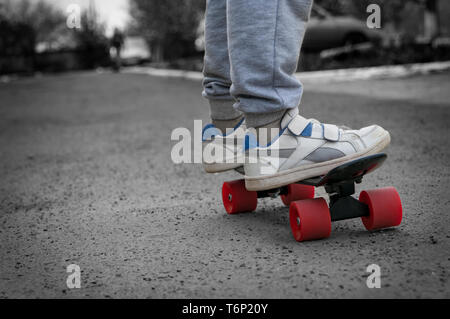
x: 310, y: 218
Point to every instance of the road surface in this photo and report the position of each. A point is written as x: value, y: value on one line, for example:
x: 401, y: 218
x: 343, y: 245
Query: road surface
x: 87, y: 179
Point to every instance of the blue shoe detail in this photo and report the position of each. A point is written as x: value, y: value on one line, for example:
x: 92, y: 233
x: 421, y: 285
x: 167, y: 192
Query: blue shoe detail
x: 239, y: 124
x: 209, y: 131
x: 250, y: 141
x: 307, y: 132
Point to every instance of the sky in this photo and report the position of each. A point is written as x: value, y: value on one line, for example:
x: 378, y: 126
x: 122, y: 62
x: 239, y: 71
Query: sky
x: 113, y: 12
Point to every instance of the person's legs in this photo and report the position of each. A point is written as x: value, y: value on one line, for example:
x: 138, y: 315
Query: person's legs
x: 225, y: 144
x: 217, y: 80
x: 265, y: 39
x: 264, y: 42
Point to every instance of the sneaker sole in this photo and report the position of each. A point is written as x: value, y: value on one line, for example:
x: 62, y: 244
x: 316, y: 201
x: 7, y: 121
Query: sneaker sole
x: 232, y: 164
x: 303, y: 172
x: 220, y: 168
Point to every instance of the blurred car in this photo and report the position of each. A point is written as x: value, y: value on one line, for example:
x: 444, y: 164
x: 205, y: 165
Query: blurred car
x: 326, y: 31
x: 135, y: 51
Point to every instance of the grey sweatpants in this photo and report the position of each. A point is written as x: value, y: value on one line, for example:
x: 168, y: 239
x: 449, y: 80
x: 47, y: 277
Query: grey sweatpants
x: 252, y: 52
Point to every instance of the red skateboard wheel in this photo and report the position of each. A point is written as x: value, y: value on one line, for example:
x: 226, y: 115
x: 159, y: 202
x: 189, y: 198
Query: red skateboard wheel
x: 237, y: 199
x: 297, y: 192
x: 310, y: 219
x: 385, y: 208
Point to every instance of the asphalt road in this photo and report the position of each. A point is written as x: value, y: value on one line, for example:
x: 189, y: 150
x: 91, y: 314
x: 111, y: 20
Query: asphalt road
x: 87, y: 179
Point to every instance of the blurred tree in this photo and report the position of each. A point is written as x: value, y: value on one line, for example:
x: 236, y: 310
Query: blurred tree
x: 26, y: 23
x: 170, y: 27
x: 91, y: 40
x: 43, y: 18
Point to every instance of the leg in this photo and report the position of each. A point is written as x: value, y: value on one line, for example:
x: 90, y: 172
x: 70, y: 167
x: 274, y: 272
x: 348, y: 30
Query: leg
x: 217, y: 80
x: 265, y: 38
x: 216, y: 85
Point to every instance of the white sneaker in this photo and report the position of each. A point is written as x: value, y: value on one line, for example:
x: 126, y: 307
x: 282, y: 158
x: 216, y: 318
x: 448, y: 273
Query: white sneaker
x: 223, y: 152
x: 306, y: 149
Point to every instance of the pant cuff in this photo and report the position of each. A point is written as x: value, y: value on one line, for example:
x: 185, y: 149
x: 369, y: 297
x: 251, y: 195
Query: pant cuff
x: 223, y: 110
x: 256, y: 120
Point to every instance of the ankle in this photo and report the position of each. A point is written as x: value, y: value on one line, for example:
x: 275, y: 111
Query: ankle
x: 227, y: 125
x: 267, y: 133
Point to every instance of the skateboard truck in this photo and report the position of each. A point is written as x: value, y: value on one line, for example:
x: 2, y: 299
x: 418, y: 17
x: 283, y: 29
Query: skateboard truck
x: 342, y: 204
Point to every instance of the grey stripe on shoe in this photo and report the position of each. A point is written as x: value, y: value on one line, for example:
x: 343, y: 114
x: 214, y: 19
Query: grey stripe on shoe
x: 324, y: 154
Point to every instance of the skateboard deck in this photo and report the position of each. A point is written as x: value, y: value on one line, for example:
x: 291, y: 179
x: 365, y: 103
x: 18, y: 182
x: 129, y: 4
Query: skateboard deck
x: 354, y: 170
x: 310, y: 217
x: 350, y: 171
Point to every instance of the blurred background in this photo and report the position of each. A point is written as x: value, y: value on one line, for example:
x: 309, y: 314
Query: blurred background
x: 35, y: 37
x: 86, y: 170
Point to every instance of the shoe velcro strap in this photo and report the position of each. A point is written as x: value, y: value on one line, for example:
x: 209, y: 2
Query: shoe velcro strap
x: 331, y: 132
x: 298, y: 125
